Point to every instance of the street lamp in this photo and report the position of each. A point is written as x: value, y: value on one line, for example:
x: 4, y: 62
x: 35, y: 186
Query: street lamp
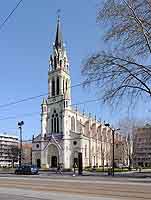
x: 94, y: 162
x: 113, y: 133
x: 20, y: 124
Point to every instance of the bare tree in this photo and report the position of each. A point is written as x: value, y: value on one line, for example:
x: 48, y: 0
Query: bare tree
x: 13, y: 154
x: 122, y: 71
x: 127, y: 127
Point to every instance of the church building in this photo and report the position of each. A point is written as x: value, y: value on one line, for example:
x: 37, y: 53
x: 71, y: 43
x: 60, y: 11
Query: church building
x: 66, y: 133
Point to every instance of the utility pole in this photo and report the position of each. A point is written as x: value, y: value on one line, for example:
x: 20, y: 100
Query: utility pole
x: 20, y: 124
x: 113, y: 132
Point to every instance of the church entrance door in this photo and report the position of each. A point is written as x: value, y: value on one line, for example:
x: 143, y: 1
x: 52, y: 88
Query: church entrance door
x: 38, y: 163
x: 53, y: 156
x: 54, y: 161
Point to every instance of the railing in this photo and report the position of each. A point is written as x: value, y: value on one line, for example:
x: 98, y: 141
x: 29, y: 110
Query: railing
x: 55, y: 135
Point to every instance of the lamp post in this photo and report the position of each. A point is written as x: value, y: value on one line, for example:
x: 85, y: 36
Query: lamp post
x: 113, y: 133
x: 94, y: 162
x: 129, y: 152
x: 20, y: 124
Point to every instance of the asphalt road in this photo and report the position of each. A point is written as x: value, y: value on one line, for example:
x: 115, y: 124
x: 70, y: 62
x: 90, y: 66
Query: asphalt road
x: 75, y: 188
x: 20, y: 194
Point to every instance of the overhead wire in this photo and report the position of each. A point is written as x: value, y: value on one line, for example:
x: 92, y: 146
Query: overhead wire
x: 23, y: 100
x: 22, y: 115
x: 44, y: 94
x: 37, y: 113
x: 10, y: 14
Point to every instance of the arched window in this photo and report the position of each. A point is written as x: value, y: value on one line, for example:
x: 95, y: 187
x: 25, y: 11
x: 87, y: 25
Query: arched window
x: 60, y: 63
x: 85, y: 151
x: 57, y: 85
x: 63, y: 86
x: 53, y: 87
x: 52, y: 123
x: 92, y: 150
x: 66, y: 84
x: 86, y: 128
x: 78, y: 127
x: 55, y: 122
x: 72, y: 123
x: 55, y: 62
x: 45, y: 136
x: 51, y: 62
x: 64, y: 62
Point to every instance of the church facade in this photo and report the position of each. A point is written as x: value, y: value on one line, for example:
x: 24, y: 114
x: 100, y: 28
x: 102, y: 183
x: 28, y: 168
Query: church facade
x: 65, y: 132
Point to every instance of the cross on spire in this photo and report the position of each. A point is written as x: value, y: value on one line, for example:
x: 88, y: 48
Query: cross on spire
x: 58, y: 13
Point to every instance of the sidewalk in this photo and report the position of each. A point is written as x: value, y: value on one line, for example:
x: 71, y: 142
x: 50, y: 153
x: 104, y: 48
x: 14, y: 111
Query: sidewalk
x: 7, y: 171
x: 129, y: 174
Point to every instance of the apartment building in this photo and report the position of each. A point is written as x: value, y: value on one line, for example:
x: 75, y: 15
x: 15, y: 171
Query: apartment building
x: 8, y: 150
x: 121, y: 150
x: 142, y: 146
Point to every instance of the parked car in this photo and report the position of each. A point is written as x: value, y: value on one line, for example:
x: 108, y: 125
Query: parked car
x: 26, y: 169
x: 120, y: 165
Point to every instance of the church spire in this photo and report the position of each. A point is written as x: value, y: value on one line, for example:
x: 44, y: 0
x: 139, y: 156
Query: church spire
x: 59, y: 76
x: 59, y: 39
x: 59, y: 59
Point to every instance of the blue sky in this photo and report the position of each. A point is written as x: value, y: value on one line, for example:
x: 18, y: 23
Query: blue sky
x: 25, y: 45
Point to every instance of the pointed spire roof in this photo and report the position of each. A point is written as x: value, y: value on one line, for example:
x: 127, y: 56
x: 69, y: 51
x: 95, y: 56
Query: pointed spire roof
x: 44, y: 101
x: 59, y: 39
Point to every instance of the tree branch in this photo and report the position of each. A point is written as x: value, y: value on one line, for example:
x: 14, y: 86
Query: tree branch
x: 140, y: 23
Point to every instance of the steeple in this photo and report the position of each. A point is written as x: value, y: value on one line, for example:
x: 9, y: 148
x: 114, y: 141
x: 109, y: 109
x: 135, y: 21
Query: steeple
x: 58, y: 59
x: 59, y: 39
x: 59, y: 80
